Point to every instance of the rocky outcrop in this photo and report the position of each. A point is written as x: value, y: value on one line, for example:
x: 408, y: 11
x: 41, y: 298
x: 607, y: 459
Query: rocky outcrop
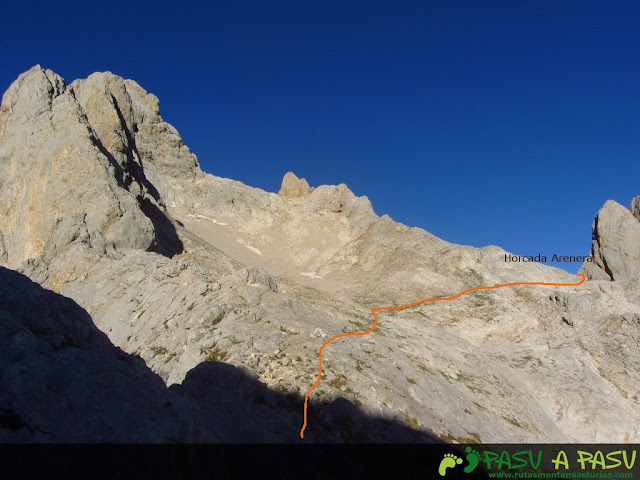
x: 616, y: 244
x: 292, y: 186
x: 127, y: 121
x: 635, y: 207
x: 61, y: 186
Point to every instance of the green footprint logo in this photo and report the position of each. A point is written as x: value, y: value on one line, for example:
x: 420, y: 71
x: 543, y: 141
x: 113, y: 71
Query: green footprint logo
x: 449, y: 461
x: 473, y: 457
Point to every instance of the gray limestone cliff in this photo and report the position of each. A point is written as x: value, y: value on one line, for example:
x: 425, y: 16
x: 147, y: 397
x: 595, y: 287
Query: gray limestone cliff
x: 63, y: 190
x: 616, y: 243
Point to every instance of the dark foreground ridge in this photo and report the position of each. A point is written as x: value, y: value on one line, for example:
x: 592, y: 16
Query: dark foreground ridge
x: 63, y: 381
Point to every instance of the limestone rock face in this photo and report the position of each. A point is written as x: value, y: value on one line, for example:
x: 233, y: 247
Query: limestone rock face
x: 128, y: 123
x: 616, y: 244
x: 60, y: 184
x: 227, y: 291
x: 635, y: 207
x: 292, y: 186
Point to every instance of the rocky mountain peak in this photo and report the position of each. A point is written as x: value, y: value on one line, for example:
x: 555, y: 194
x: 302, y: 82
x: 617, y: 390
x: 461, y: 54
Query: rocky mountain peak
x: 72, y: 169
x: 127, y: 120
x: 292, y: 186
x: 28, y: 101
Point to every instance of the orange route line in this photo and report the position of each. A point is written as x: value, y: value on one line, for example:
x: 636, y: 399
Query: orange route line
x: 401, y: 307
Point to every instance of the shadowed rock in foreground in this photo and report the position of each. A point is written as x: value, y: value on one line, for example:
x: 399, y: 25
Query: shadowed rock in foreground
x: 63, y: 381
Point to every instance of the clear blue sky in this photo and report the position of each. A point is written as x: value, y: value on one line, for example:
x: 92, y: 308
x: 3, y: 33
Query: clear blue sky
x: 484, y: 122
